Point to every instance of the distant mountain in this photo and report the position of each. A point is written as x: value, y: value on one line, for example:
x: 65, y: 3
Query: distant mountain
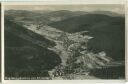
x: 43, y: 17
x: 85, y: 22
x: 21, y: 13
x: 46, y: 17
x: 64, y: 14
x: 109, y: 13
x: 108, y: 32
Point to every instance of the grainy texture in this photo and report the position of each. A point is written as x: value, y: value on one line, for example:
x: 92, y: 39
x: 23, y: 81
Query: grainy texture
x: 64, y: 42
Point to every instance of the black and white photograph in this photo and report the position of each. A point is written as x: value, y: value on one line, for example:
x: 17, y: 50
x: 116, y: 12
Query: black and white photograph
x: 64, y: 42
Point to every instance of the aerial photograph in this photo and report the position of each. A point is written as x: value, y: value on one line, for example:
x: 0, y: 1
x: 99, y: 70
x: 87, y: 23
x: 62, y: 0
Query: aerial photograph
x: 64, y: 42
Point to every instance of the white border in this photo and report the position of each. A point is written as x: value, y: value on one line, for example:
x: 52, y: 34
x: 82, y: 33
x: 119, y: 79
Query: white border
x: 126, y: 40
x: 43, y: 2
x: 53, y: 3
x: 1, y: 46
x: 2, y: 42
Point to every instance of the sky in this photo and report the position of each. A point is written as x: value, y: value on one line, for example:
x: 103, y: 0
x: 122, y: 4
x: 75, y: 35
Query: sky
x: 118, y: 8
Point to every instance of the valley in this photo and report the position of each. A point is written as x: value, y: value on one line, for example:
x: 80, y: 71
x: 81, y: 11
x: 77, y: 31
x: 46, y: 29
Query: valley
x: 62, y: 47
